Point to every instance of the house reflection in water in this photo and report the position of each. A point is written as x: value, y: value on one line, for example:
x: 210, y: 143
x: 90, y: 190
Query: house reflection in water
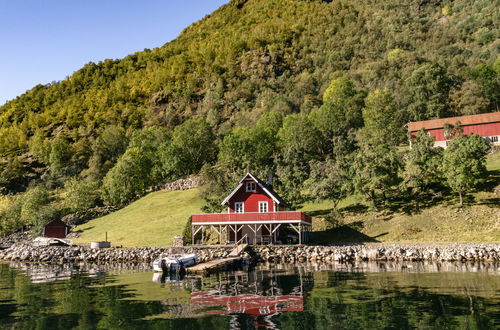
x: 250, y: 304
x: 258, y: 294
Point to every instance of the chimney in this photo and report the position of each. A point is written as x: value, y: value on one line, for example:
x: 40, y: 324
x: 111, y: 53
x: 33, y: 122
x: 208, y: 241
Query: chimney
x: 270, y: 178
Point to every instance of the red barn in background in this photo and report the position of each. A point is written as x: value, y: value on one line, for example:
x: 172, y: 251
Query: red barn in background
x: 56, y: 229
x: 255, y: 214
x: 486, y: 125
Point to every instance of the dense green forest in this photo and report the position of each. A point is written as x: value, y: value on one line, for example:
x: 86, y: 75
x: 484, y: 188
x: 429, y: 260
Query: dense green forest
x: 318, y: 92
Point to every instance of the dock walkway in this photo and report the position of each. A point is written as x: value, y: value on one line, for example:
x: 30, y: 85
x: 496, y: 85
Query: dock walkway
x: 212, y: 265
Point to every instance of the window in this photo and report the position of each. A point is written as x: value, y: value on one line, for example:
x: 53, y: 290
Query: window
x: 250, y: 186
x: 494, y: 139
x: 263, y: 207
x: 238, y: 207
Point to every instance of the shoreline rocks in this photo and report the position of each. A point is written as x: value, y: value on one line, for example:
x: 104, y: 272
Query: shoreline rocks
x: 29, y: 253
x: 381, y: 252
x: 264, y: 253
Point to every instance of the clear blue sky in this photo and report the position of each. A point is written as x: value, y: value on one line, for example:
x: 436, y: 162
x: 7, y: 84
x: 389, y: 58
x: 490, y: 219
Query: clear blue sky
x: 46, y: 40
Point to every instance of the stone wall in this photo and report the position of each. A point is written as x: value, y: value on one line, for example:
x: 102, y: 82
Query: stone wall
x: 190, y: 182
x: 380, y: 252
x: 321, y: 254
x: 29, y: 253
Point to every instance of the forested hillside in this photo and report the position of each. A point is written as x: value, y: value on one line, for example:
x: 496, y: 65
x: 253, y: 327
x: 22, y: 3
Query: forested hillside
x: 295, y: 87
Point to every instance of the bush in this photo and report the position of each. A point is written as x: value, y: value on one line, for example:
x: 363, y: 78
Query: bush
x: 10, y: 214
x: 80, y: 195
x: 36, y: 209
x: 187, y: 232
x: 128, y: 178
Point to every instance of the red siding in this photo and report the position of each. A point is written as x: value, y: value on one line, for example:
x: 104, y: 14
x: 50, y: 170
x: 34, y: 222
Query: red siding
x: 56, y: 229
x: 482, y: 118
x: 251, y: 199
x: 490, y: 129
x: 250, y: 217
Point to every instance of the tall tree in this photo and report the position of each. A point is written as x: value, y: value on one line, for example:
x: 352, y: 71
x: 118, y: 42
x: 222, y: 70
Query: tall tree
x: 464, y: 163
x: 106, y: 149
x: 128, y: 178
x: 421, y: 166
x: 60, y: 154
x: 299, y: 142
x: 251, y: 149
x: 375, y: 170
x: 425, y: 92
x: 469, y: 99
x: 340, y: 113
x: 381, y: 119
x: 191, y: 147
x: 330, y: 180
x: 488, y: 76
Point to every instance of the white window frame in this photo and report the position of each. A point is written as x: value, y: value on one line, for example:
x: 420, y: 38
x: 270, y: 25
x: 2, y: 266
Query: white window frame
x: 261, y: 204
x: 237, y: 209
x: 250, y: 186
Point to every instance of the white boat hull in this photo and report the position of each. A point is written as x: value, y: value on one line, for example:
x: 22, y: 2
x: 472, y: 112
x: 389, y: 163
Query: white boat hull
x: 174, y: 263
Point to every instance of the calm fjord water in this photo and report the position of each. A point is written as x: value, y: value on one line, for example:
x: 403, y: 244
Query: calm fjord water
x: 362, y: 296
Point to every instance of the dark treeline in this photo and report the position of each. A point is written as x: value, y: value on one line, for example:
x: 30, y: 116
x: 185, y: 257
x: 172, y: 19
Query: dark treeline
x: 317, y: 92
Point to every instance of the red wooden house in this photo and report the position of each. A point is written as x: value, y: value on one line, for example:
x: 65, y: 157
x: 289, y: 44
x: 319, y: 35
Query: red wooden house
x: 56, y: 229
x: 486, y: 125
x: 255, y: 214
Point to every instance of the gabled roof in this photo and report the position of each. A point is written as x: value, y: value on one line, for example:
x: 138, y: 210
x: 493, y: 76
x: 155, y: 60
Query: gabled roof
x: 481, y: 118
x: 56, y: 222
x: 269, y: 191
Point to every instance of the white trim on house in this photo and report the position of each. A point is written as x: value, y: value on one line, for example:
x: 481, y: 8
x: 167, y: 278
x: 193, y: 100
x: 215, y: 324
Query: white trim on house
x: 249, y: 222
x: 263, y: 207
x: 237, y: 208
x: 250, y: 186
x: 226, y: 200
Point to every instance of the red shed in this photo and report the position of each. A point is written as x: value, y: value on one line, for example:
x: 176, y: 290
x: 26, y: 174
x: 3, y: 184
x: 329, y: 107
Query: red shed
x: 255, y: 214
x: 484, y: 124
x: 56, y: 229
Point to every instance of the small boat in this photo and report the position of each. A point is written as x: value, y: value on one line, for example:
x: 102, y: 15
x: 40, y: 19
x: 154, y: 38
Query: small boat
x: 174, y: 262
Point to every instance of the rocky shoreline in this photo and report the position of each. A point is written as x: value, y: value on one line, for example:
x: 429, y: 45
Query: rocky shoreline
x: 25, y: 252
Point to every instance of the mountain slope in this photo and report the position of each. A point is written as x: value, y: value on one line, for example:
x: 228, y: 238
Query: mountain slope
x: 250, y: 56
x: 234, y: 90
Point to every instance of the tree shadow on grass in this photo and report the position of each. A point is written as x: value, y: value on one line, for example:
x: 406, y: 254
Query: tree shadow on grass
x: 319, y: 213
x: 407, y: 203
x: 492, y: 202
x: 491, y: 181
x: 82, y: 230
x: 355, y: 209
x: 342, y: 235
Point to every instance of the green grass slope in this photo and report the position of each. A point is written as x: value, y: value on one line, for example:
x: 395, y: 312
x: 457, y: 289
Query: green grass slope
x: 150, y: 221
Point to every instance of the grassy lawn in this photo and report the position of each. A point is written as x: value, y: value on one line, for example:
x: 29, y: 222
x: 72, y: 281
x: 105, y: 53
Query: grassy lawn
x: 493, y: 162
x: 150, y: 221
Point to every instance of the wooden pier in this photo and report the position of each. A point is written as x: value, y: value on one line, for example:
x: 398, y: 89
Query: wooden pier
x: 218, y: 264
x: 212, y: 265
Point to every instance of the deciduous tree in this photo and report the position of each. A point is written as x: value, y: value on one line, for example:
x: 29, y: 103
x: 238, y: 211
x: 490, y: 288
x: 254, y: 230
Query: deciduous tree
x: 421, y: 166
x: 464, y: 163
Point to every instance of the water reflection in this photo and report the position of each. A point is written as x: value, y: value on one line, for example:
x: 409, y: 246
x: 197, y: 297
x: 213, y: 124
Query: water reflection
x: 285, y: 296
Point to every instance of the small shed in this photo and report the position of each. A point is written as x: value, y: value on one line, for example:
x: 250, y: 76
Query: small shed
x: 56, y: 229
